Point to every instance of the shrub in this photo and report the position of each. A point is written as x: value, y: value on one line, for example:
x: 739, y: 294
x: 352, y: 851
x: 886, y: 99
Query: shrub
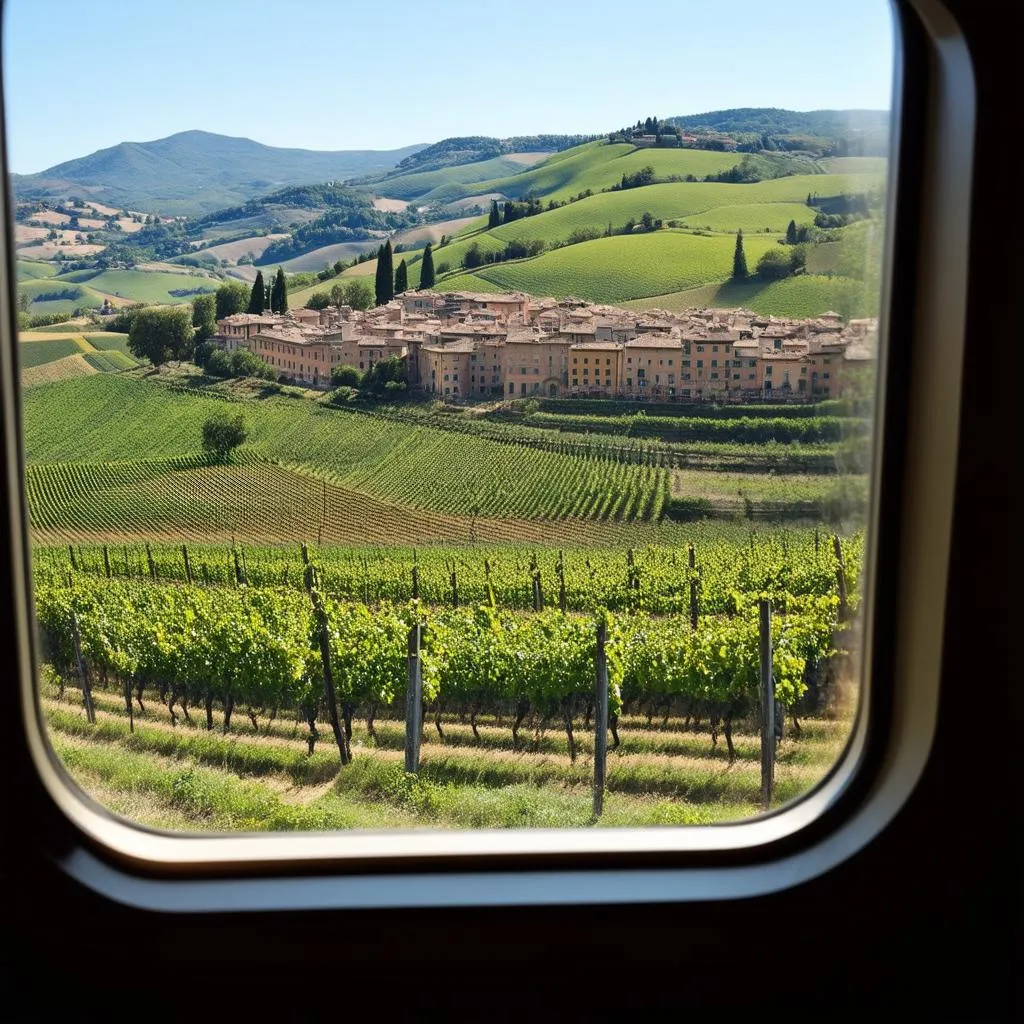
x: 222, y: 434
x: 346, y: 376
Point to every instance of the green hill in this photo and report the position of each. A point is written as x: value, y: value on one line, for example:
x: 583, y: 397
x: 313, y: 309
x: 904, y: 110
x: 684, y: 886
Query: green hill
x: 617, y: 268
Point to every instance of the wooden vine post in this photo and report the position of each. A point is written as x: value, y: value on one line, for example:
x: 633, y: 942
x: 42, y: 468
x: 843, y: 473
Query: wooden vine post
x: 414, y: 701
x: 561, y: 583
x: 324, y: 638
x: 90, y: 713
x: 106, y: 561
x: 150, y: 562
x: 600, y: 718
x: 767, y: 702
x: 692, y: 561
x: 840, y: 576
x: 188, y: 566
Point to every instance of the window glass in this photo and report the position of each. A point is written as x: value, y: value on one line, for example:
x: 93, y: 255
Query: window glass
x: 277, y: 594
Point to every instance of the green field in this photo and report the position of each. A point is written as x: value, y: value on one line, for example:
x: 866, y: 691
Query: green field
x: 36, y: 353
x: 30, y: 270
x: 619, y: 268
x: 110, y: 361
x: 803, y: 296
x: 141, y: 285
x: 595, y: 166
x: 422, y: 183
x: 120, y: 455
x: 79, y: 296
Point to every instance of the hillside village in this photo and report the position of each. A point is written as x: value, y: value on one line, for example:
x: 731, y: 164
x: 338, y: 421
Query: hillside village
x: 468, y: 346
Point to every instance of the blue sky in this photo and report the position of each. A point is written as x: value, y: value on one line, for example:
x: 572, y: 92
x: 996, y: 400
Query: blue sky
x: 331, y: 74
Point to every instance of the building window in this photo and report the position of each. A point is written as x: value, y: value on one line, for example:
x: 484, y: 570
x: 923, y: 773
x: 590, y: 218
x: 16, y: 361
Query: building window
x: 629, y: 382
x: 714, y: 362
x: 824, y: 376
x: 751, y: 376
x: 803, y: 370
x: 511, y: 389
x: 767, y: 371
x: 714, y: 376
x: 686, y: 362
x: 752, y: 363
x: 700, y: 364
x: 714, y: 348
x: 700, y: 348
x: 670, y: 362
x: 671, y: 378
x: 735, y: 376
x: 641, y: 373
x: 778, y: 343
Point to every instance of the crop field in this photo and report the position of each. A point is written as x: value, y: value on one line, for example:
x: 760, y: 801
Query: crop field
x: 621, y: 267
x: 234, y: 250
x: 593, y: 166
x: 67, y: 368
x: 120, y: 456
x: 142, y: 286
x: 29, y: 270
x: 35, y: 353
x: 111, y: 361
x: 423, y: 184
x: 803, y: 296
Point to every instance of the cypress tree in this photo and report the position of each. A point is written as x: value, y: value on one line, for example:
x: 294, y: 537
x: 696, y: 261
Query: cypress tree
x: 427, y: 268
x: 791, y: 233
x: 495, y: 218
x: 279, y: 293
x: 378, y: 283
x: 739, y: 259
x: 401, y: 278
x: 258, y: 298
x: 388, y: 273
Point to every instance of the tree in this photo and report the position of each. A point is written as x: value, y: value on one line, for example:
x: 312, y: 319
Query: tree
x: 774, y: 265
x: 358, y: 295
x: 279, y: 293
x: 495, y: 218
x: 258, y: 296
x: 387, y: 275
x: 318, y: 300
x: 222, y: 434
x: 386, y: 378
x: 427, y: 268
x: 232, y: 297
x: 739, y: 259
x: 791, y: 233
x: 401, y: 278
x: 204, y: 317
x: 162, y: 334
x: 378, y: 280
x: 346, y: 376
x: 473, y: 257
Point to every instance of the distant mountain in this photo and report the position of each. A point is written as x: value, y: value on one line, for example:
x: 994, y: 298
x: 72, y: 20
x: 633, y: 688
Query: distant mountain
x: 196, y: 172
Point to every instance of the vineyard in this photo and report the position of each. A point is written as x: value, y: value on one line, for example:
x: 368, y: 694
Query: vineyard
x: 227, y: 676
x: 118, y: 456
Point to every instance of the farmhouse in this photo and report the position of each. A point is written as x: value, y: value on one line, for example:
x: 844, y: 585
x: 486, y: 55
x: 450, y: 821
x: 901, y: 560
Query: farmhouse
x: 464, y: 345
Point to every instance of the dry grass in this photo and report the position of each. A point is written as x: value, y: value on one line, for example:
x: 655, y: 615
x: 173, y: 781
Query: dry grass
x: 389, y: 205
x: 59, y: 369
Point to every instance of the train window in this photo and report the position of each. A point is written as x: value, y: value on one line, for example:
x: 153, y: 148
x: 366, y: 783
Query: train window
x: 302, y: 610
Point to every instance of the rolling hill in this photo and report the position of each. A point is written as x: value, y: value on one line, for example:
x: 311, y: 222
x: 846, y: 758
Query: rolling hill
x: 194, y: 172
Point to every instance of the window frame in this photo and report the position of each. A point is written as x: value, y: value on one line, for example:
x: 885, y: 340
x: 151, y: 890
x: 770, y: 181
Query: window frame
x: 924, y: 299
